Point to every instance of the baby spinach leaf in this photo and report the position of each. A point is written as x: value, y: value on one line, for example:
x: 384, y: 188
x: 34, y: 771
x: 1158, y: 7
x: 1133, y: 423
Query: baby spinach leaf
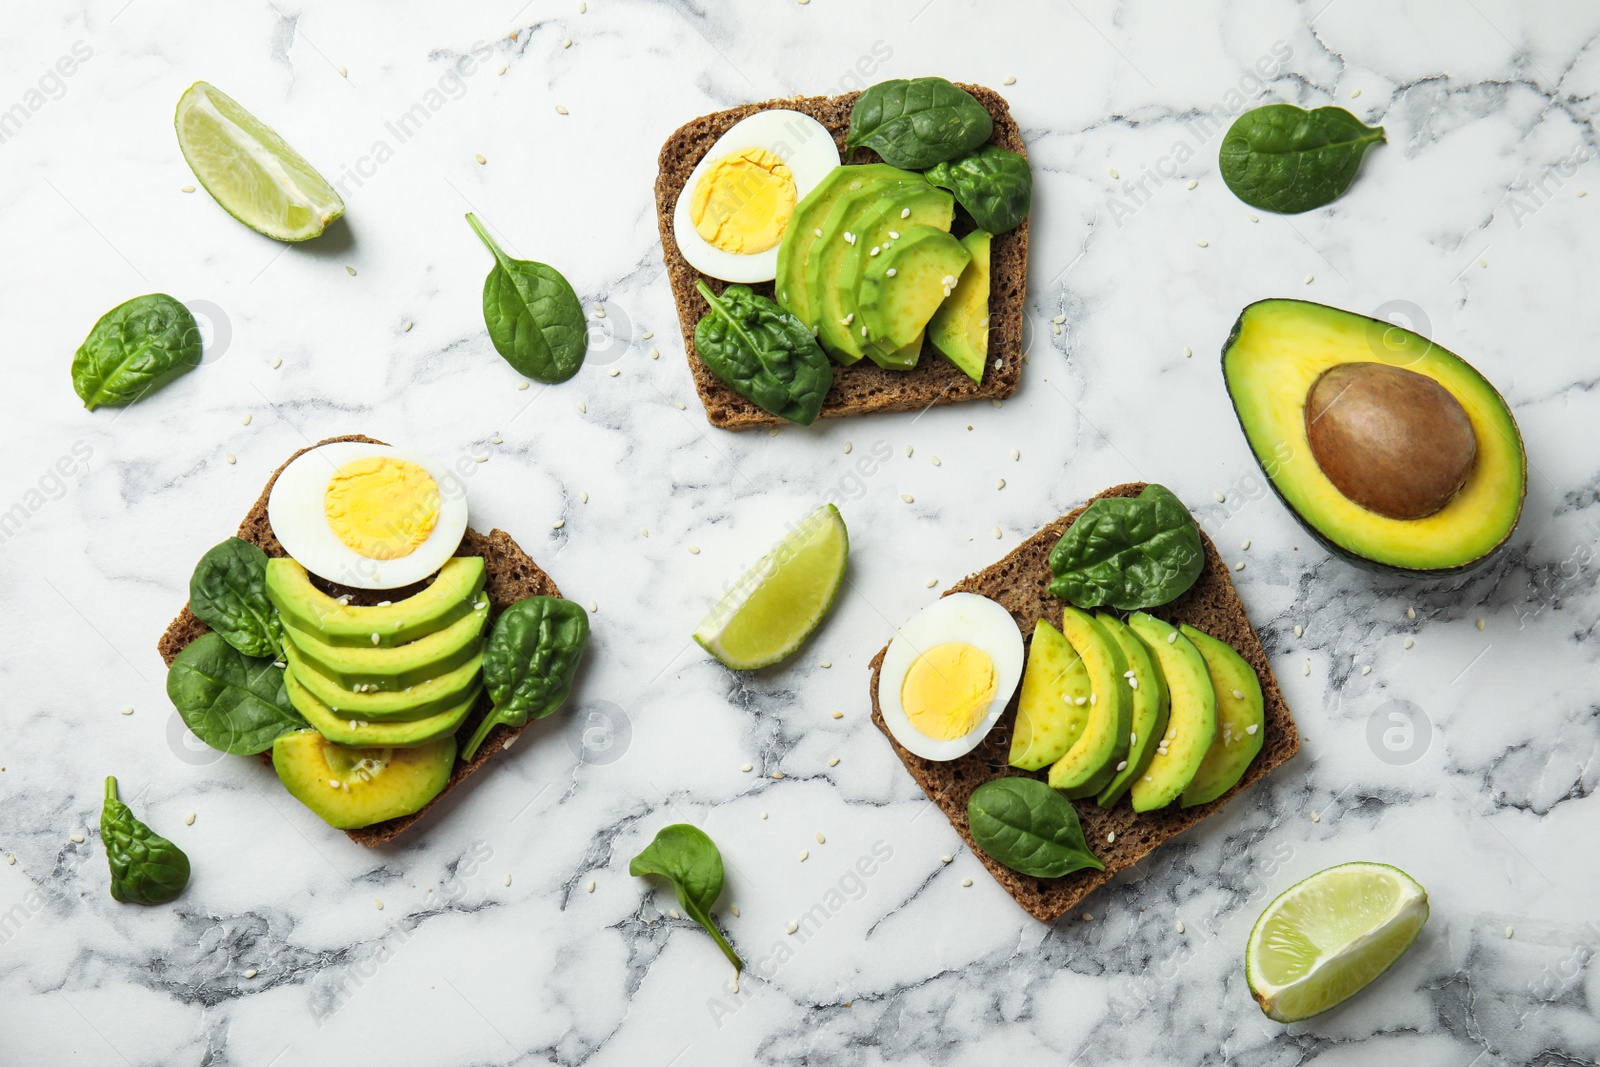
x: 1285, y: 159
x: 529, y: 662
x: 228, y: 592
x: 533, y: 316
x: 1027, y: 826
x: 686, y: 857
x: 146, y: 868
x: 1130, y: 553
x: 915, y: 123
x: 763, y: 353
x: 133, y: 348
x: 233, y: 702
x: 994, y: 185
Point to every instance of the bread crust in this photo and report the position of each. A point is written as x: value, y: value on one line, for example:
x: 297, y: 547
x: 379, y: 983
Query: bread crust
x: 510, y: 575
x: 862, y: 387
x: 1021, y: 584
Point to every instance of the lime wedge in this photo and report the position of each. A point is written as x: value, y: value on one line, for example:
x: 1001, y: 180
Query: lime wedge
x: 1325, y: 938
x: 250, y: 170
x: 780, y: 600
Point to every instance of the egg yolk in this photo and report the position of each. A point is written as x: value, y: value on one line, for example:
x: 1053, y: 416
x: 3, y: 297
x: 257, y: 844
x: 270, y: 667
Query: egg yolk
x: 947, y: 690
x: 743, y: 201
x: 381, y: 507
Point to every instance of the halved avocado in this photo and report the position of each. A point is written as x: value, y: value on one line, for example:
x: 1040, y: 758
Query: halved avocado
x: 398, y: 734
x: 421, y: 701
x: 1054, y: 706
x: 353, y: 787
x: 1241, y: 719
x: 1091, y: 761
x: 451, y: 595
x: 1392, y: 452
x: 379, y: 669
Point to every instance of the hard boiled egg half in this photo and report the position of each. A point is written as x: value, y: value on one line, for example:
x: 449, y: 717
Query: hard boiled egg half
x: 736, y: 205
x: 367, y: 516
x: 948, y: 674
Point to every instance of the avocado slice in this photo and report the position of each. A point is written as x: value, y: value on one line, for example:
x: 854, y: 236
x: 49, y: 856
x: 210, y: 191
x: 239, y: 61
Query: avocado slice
x: 842, y: 233
x: 402, y: 666
x: 1399, y: 442
x: 401, y: 734
x: 902, y: 288
x: 302, y: 605
x: 1241, y: 719
x: 1054, y: 706
x: 419, y: 702
x: 877, y: 230
x: 1091, y: 761
x: 805, y: 228
x: 960, y: 328
x: 1149, y: 706
x: 354, y: 787
x: 1191, y: 719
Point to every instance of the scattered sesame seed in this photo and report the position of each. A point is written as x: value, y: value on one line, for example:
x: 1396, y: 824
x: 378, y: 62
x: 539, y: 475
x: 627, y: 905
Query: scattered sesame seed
x: 1316, y: 817
x: 186, y: 189
x: 905, y: 213
x: 508, y: 879
x: 1113, y: 172
x: 377, y: 903
x: 997, y: 533
x: 501, y: 71
x: 655, y: 353
x: 1306, y: 670
x: 1203, y: 243
x: 1111, y: 837
x: 1086, y: 917
x: 127, y: 711
x: 188, y: 820
x: 820, y: 839
x: 763, y: 815
x: 1220, y: 496
x: 931, y: 582
x: 777, y: 774
x: 673, y: 913
x: 934, y: 460
x: 1407, y: 643
x: 1366, y: 670
x: 825, y: 664
x: 251, y: 973
x: 615, y: 371
x: 1015, y: 455
x: 791, y: 928
x: 946, y: 859
x: 647, y: 335
x: 1239, y: 566
x: 583, y: 409
x: 1172, y: 637
x: 77, y: 839
x: 966, y: 883
x: 833, y: 761
x: 230, y: 457
x: 560, y: 110
x: 907, y: 498
x: 480, y: 458
x: 522, y: 385
x: 1480, y: 623
x: 1299, y: 631
x: 1238, y: 694
x: 838, y: 714
x: 734, y: 909
x: 1178, y: 926
x: 1192, y: 184
x: 1509, y: 932
x: 891, y: 272
x: 558, y: 524
x: 908, y: 451
x: 590, y: 887
x: 1001, y: 484
x: 1411, y: 612
x: 350, y: 270
x: 582, y: 6
x: 1252, y: 728
x: 1188, y: 353
x: 593, y: 607
x: 276, y: 363
x: 480, y: 159
x: 694, y: 550
x: 747, y: 768
x: 678, y: 404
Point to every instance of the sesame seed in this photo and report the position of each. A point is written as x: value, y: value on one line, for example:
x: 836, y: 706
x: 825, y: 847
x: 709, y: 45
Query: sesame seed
x: 1509, y: 933
x: 1252, y: 728
x: 251, y: 973
x: 1245, y: 546
x: 820, y: 839
x: 566, y: 42
x: 1111, y: 837
x: 1008, y: 80
x: 1015, y: 455
x: 825, y: 664
x: 966, y: 883
x: 350, y: 270
x: 76, y: 839
x: 1316, y: 817
x: 931, y: 582
x: 188, y: 820
x: 480, y: 459
x: 589, y: 888
x: 1203, y: 243
x: 277, y: 363
x: 894, y: 236
x: 1172, y: 637
x: 997, y: 533
x: 777, y: 774
x: 678, y: 404
x: 1086, y: 917
x: 805, y: 854
x: 558, y: 524
x: 230, y: 457
x: 838, y: 714
x: 1366, y: 671
x: 734, y: 909
x: 1178, y: 926
x: 847, y: 447
x: 946, y: 859
x: 522, y: 385
x: 127, y: 711
x: 791, y: 928
x: 908, y: 451
x: 905, y: 213
x: 593, y: 607
x: 834, y: 761
x: 1133, y: 738
x: 1480, y: 624
x: 875, y: 250
x: 1001, y: 484
x: 763, y: 815
x: 655, y: 353
x: 673, y: 913
x: 1299, y: 631
x: 1239, y: 566
x: 186, y: 189
x: 1113, y: 172
x: 747, y: 768
x: 480, y: 159
x: 377, y: 903
x: 1192, y: 184
x: 1407, y: 643
x: 508, y: 879
x: 694, y: 550
x: 849, y: 238
x: 1081, y: 701
x: 615, y: 371
x: 907, y: 498
x: 891, y: 272
x: 1411, y: 612
x: 502, y: 70
x: 934, y: 460
x: 1133, y: 683
x: 560, y: 110
x: 1220, y: 496
x: 1306, y: 670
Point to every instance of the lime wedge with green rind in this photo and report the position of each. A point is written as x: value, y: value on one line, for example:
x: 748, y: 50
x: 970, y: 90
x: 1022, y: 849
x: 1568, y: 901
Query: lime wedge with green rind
x: 1324, y: 939
x: 774, y: 607
x: 250, y: 170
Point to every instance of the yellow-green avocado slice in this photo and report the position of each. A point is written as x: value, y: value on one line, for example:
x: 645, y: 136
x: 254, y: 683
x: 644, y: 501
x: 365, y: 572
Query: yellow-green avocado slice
x: 1277, y: 351
x: 1241, y: 719
x: 402, y: 666
x: 395, y: 733
x: 1091, y: 761
x: 451, y: 595
x: 353, y: 787
x: 419, y: 702
x: 1054, y: 706
x: 1149, y: 705
x: 1191, y: 717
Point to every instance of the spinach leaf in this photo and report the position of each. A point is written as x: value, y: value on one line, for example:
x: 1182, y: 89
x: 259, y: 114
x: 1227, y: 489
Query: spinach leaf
x: 1027, y: 826
x: 686, y: 857
x: 1285, y: 159
x: 228, y: 592
x: 529, y: 662
x: 1130, y: 553
x: 134, y: 348
x: 233, y: 702
x: 533, y: 316
x: 146, y: 868
x: 916, y: 123
x: 994, y: 185
x: 763, y: 353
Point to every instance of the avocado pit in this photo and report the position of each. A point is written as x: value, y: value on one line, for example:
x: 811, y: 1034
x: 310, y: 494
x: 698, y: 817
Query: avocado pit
x: 1391, y: 440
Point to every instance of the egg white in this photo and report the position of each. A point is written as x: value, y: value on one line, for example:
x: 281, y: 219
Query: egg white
x: 806, y: 148
x: 968, y: 618
x: 296, y: 511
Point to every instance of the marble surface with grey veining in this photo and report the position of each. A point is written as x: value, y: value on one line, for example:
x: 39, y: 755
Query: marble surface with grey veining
x: 509, y: 931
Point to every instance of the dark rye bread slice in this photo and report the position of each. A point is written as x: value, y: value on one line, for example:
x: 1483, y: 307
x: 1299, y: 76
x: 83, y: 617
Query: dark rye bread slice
x: 511, y: 576
x: 863, y: 386
x: 1021, y: 584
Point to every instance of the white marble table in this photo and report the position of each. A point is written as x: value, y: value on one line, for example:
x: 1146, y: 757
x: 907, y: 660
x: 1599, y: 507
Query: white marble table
x: 1471, y: 220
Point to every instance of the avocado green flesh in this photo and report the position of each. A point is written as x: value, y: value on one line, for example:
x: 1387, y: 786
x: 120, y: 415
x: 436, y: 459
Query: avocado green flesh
x: 1241, y: 720
x: 353, y: 787
x: 1150, y: 704
x: 1191, y: 716
x: 825, y: 262
x: 303, y: 606
x: 399, y: 734
x: 1088, y: 765
x: 960, y: 328
x: 419, y: 702
x: 1277, y: 351
x: 896, y: 213
x: 927, y: 264
x: 399, y: 667
x: 1054, y: 706
x: 799, y: 240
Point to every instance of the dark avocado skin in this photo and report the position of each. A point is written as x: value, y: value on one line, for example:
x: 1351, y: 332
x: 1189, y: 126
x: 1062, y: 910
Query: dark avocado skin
x: 1334, y: 548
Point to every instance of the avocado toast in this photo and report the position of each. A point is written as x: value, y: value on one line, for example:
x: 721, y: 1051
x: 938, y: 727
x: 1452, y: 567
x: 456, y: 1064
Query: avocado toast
x: 862, y: 386
x: 1020, y: 583
x: 508, y: 576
